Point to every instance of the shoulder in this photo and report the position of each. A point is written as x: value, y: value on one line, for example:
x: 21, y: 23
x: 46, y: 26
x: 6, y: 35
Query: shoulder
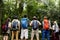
x: 32, y: 21
x: 38, y: 21
x: 10, y: 22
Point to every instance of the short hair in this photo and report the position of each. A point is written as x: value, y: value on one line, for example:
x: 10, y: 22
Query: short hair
x: 15, y: 17
x: 25, y: 16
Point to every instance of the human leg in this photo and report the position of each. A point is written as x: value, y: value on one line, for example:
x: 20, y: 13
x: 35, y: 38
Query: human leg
x: 32, y: 34
x: 37, y: 35
x: 12, y: 35
x: 43, y: 34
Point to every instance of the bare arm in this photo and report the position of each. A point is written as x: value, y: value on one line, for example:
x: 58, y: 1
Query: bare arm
x: 31, y: 23
x: 39, y: 23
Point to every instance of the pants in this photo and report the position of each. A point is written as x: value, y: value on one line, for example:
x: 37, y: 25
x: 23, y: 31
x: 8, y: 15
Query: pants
x: 59, y: 34
x: 35, y: 32
x: 45, y: 34
x: 24, y: 33
x: 16, y: 35
x: 55, y: 35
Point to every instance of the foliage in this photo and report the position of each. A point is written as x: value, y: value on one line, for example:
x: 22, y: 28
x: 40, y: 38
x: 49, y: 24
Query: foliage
x: 34, y: 7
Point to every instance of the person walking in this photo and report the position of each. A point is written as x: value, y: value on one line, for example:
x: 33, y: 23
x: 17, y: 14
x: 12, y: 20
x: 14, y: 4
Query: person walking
x: 46, y: 26
x: 15, y: 27
x: 6, y: 29
x: 55, y: 29
x: 24, y: 27
x: 35, y: 25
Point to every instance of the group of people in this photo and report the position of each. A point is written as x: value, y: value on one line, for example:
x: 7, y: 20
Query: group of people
x: 24, y: 23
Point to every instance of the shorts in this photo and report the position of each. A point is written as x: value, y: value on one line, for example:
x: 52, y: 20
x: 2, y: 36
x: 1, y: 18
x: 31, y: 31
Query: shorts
x: 5, y: 34
x: 34, y: 32
x: 24, y: 33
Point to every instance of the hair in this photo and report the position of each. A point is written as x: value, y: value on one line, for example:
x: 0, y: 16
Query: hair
x: 15, y: 17
x: 7, y: 21
x: 25, y: 16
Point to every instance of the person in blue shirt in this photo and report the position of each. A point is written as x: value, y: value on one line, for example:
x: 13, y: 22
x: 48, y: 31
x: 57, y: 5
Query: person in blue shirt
x: 24, y: 27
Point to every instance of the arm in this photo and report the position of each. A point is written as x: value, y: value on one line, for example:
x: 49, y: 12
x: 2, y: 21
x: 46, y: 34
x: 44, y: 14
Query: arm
x: 39, y: 23
x: 53, y: 28
x: 42, y: 24
x: 9, y: 25
x: 31, y: 23
x: 50, y: 25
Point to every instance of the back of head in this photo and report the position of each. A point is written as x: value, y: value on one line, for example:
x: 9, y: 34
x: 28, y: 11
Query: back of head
x: 7, y: 20
x: 15, y: 17
x: 25, y: 16
x: 45, y: 17
x: 34, y: 18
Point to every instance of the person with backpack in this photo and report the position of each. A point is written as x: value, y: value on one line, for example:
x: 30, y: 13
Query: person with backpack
x: 24, y: 27
x: 6, y: 29
x: 46, y: 28
x: 15, y: 27
x: 35, y: 25
x: 55, y: 29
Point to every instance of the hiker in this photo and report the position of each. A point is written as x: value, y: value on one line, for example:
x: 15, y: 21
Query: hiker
x: 46, y: 26
x: 59, y: 33
x: 15, y: 27
x: 59, y: 27
x: 55, y: 29
x: 24, y: 27
x: 35, y: 25
x: 6, y: 29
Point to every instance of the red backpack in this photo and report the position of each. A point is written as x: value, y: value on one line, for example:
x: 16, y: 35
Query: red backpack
x: 46, y: 24
x: 4, y: 27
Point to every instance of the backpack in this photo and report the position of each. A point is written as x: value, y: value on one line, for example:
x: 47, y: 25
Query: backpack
x: 4, y: 27
x: 46, y: 24
x: 24, y: 23
x: 15, y: 25
x: 35, y: 24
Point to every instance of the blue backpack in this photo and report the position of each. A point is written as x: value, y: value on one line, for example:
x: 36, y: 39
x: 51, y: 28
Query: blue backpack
x: 35, y: 24
x: 24, y: 23
x: 15, y: 25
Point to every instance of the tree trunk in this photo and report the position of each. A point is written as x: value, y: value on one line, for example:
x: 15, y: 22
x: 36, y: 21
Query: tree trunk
x: 1, y: 9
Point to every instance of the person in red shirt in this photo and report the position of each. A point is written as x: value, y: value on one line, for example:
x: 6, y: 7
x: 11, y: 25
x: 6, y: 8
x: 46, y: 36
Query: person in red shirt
x: 46, y: 26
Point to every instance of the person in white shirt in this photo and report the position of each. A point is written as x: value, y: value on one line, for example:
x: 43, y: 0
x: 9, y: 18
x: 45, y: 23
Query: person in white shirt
x: 35, y: 25
x: 7, y: 25
x: 15, y: 27
x: 55, y: 29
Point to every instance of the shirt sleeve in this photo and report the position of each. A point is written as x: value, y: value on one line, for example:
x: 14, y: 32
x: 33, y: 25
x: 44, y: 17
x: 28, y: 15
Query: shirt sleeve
x: 9, y: 25
x: 49, y: 24
x: 39, y: 23
x: 19, y: 24
x: 53, y: 28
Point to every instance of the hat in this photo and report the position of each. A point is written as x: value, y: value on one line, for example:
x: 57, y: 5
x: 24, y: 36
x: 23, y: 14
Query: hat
x: 34, y: 16
x: 45, y: 16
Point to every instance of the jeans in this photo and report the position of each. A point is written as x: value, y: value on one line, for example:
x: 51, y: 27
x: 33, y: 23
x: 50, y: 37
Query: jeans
x: 45, y: 34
